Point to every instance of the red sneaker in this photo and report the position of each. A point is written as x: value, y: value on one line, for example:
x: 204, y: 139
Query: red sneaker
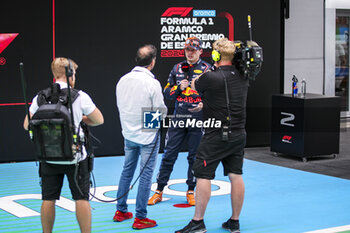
x: 143, y: 223
x: 121, y: 216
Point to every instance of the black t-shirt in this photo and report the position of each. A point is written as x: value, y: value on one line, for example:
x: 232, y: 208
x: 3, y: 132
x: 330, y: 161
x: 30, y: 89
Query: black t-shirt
x: 212, y: 87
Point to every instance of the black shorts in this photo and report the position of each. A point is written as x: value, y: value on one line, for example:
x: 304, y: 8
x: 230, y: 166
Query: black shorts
x: 212, y: 150
x: 52, y: 176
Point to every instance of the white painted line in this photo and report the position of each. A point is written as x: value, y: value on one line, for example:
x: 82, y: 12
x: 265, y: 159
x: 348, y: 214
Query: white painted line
x: 332, y: 230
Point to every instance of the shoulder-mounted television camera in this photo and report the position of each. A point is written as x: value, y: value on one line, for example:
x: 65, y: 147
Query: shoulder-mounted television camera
x: 248, y: 58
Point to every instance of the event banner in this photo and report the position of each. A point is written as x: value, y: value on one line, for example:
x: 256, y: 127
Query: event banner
x: 102, y: 37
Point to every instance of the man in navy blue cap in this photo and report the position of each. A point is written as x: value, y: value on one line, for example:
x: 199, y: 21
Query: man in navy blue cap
x: 188, y: 104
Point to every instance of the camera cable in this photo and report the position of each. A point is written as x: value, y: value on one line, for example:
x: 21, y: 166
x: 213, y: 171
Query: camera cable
x: 93, y: 183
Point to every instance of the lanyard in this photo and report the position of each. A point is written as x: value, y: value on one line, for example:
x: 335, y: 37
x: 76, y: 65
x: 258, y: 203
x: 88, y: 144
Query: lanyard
x: 228, y: 118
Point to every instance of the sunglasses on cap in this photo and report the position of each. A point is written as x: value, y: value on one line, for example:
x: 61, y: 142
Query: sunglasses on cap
x: 193, y: 43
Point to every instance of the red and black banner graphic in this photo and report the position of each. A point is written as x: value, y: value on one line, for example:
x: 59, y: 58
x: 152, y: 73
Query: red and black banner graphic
x: 5, y: 41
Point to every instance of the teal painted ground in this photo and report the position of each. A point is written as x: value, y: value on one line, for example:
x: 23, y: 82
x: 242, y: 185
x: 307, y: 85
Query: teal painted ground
x: 277, y: 200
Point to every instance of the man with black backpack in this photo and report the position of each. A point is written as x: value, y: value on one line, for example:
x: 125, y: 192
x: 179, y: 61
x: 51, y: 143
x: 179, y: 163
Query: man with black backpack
x: 76, y: 167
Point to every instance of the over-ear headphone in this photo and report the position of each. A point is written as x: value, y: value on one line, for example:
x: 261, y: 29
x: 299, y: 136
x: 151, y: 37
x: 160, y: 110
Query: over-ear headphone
x: 215, y: 55
x: 69, y: 69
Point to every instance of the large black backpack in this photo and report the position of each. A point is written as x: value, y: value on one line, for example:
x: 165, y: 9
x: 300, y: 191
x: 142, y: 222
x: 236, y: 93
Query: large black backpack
x: 52, y: 125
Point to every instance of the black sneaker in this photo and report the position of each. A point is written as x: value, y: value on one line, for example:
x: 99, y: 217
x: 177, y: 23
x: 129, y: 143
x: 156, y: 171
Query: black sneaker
x: 232, y: 226
x: 193, y: 228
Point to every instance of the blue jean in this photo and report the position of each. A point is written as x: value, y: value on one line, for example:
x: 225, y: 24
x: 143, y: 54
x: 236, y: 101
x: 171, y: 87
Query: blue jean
x: 132, y: 153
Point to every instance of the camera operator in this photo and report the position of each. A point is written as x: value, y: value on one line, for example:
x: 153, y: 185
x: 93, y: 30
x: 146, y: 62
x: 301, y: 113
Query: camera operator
x: 52, y: 172
x: 226, y: 144
x: 187, y: 105
x: 136, y: 90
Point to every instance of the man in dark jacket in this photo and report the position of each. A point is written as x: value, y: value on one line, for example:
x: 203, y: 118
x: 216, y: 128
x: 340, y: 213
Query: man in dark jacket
x: 188, y: 104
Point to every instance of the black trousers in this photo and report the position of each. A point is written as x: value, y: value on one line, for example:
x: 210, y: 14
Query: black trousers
x: 174, y: 139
